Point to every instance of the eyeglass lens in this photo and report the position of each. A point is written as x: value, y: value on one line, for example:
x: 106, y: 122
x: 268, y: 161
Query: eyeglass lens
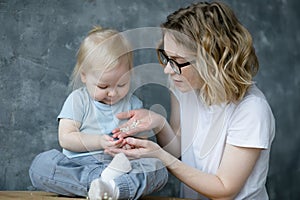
x: 164, y: 60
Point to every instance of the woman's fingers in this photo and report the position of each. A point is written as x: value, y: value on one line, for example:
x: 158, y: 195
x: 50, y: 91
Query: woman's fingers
x: 137, y: 143
x: 132, y: 153
x: 138, y: 121
x: 129, y: 128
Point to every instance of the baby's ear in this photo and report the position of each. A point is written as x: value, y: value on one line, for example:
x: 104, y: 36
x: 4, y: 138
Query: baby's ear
x: 83, y: 77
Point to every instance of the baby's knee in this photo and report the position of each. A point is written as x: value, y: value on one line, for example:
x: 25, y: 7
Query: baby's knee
x: 149, y: 165
x: 157, y: 163
x: 43, y: 166
x: 157, y: 171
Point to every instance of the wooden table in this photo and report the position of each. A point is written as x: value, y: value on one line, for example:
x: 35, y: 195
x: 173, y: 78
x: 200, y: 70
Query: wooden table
x: 32, y: 195
x: 38, y: 195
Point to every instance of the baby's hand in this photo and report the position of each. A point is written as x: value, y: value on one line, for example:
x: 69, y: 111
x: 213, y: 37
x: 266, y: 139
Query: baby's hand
x: 114, y: 137
x: 122, y: 145
x: 109, y: 142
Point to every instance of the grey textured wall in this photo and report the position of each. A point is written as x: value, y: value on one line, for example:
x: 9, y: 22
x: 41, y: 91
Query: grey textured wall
x: 38, y: 43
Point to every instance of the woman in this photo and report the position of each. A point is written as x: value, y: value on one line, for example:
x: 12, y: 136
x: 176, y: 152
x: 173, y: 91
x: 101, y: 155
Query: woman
x: 221, y: 124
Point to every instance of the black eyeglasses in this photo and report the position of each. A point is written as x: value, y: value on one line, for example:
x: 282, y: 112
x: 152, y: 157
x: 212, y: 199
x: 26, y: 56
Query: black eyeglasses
x: 164, y: 59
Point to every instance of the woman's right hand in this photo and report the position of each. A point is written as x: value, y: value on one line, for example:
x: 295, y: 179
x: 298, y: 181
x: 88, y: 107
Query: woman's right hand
x: 138, y: 121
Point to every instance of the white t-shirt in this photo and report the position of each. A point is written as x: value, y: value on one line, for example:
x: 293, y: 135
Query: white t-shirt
x: 250, y: 123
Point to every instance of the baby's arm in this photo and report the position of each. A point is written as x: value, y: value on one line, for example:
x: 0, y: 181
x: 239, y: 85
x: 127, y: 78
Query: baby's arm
x: 72, y: 139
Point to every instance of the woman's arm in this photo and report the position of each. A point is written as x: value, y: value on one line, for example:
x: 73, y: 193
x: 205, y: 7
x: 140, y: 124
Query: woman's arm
x: 236, y: 166
x: 72, y: 139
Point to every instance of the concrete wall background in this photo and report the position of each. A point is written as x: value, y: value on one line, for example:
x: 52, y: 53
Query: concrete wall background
x: 38, y: 43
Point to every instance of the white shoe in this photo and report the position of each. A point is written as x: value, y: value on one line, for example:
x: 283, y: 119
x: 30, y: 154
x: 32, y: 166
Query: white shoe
x: 100, y: 190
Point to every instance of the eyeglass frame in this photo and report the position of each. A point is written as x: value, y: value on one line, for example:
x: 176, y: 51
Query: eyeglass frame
x: 171, y: 61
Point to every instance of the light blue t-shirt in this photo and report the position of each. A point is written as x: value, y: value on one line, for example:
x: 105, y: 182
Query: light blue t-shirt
x: 95, y: 117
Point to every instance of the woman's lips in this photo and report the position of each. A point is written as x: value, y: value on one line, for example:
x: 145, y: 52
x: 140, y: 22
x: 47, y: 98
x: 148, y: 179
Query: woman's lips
x: 177, y: 81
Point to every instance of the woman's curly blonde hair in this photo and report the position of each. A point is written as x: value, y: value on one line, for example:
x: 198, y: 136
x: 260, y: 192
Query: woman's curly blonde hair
x: 225, y: 56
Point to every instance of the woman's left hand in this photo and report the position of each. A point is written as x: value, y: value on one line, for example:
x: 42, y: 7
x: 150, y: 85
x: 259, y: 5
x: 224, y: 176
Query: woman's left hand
x: 140, y: 149
x: 138, y: 121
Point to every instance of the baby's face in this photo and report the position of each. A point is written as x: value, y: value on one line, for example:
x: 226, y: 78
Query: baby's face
x: 110, y: 86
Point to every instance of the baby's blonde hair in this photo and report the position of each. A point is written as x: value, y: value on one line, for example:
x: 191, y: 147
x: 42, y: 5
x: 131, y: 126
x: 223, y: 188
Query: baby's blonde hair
x: 225, y: 56
x: 101, y: 50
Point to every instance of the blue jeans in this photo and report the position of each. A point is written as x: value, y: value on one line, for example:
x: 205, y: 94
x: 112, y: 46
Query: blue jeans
x: 52, y: 171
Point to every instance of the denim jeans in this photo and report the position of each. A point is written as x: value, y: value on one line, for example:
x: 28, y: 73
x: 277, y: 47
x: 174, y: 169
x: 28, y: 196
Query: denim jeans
x: 52, y: 171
